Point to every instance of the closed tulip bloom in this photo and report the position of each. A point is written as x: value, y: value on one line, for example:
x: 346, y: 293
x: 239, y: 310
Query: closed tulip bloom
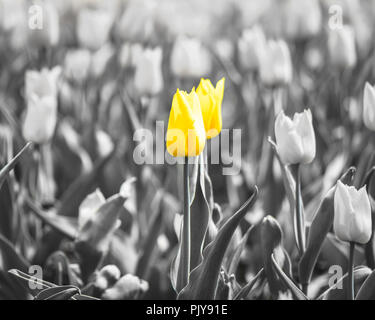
x: 211, y: 99
x: 186, y: 134
x: 42, y: 83
x: 352, y: 219
x: 342, y: 47
x: 295, y: 138
x: 369, y: 107
x: 148, y: 74
x: 77, y: 64
x: 190, y: 59
x: 250, y: 47
x: 40, y: 120
x: 275, y: 63
x: 93, y: 27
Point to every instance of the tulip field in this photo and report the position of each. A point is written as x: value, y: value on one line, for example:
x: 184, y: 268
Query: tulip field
x: 180, y: 150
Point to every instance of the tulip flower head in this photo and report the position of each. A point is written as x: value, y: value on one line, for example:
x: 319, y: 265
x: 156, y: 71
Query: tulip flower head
x: 148, y: 76
x: 369, y: 107
x: 42, y: 83
x: 189, y: 58
x: 275, y: 63
x: 186, y: 135
x: 352, y: 219
x: 211, y: 99
x: 342, y: 47
x: 295, y: 138
x: 249, y: 47
x: 93, y: 27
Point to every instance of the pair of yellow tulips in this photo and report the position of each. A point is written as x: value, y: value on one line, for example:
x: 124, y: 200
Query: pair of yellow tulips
x: 194, y: 117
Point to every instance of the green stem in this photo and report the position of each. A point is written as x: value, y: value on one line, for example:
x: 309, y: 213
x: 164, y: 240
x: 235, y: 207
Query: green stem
x: 184, y: 267
x: 299, y: 213
x: 351, y: 268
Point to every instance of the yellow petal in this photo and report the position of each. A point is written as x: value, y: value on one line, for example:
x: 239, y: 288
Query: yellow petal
x: 186, y: 134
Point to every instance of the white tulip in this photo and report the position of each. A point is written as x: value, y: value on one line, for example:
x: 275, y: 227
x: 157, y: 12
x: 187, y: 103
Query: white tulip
x: 93, y: 27
x: 275, y: 63
x: 77, y: 64
x: 250, y: 47
x: 100, y: 59
x: 369, y: 107
x: 190, y: 59
x: 342, y: 47
x: 148, y: 74
x: 43, y: 83
x: 41, y: 118
x: 295, y: 138
x: 89, y: 206
x: 352, y: 219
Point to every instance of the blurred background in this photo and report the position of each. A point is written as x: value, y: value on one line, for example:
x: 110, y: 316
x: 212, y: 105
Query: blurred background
x: 113, y: 67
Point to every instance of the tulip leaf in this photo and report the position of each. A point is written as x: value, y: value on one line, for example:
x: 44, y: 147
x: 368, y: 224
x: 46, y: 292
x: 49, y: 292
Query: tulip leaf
x: 297, y: 293
x: 204, y: 278
x: 57, y: 293
x: 367, y: 290
x: 80, y: 188
x: 245, y: 290
x: 10, y: 258
x: 145, y: 261
x: 11, y: 164
x: 339, y: 290
x: 319, y: 228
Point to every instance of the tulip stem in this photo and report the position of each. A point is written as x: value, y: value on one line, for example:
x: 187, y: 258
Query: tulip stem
x: 299, y: 213
x: 351, y: 268
x: 184, y: 267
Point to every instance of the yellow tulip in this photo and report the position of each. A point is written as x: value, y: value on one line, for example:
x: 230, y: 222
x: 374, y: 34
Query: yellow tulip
x: 211, y: 99
x: 186, y: 134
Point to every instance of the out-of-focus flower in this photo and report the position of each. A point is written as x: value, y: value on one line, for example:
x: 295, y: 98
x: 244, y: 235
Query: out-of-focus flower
x: 186, y: 135
x: 190, y: 59
x: 369, y: 107
x: 41, y: 118
x: 48, y: 33
x: 43, y: 83
x: 89, y: 206
x: 342, y: 47
x: 104, y: 143
x: 250, y: 47
x: 224, y: 49
x: 303, y: 19
x: 77, y: 64
x: 127, y: 288
x: 41, y: 98
x: 138, y: 22
x: 106, y: 277
x: 12, y: 14
x: 211, y: 99
x: 148, y: 78
x: 100, y: 59
x: 93, y: 27
x: 314, y: 58
x: 295, y: 138
x: 352, y: 219
x: 275, y: 63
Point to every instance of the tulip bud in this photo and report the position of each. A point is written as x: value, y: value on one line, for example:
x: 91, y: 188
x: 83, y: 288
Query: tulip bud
x: 148, y: 75
x: 89, y: 206
x: 43, y: 83
x: 250, y: 47
x: 369, y: 107
x: 186, y: 135
x: 352, y: 220
x: 41, y: 118
x: 210, y: 99
x: 77, y: 65
x: 295, y: 138
x: 190, y: 59
x: 100, y: 60
x: 93, y: 27
x: 342, y: 47
x: 275, y: 64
